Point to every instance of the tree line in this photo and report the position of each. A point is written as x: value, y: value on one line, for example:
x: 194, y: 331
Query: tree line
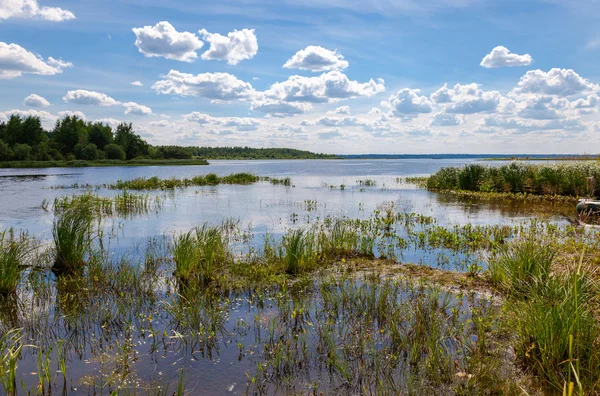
x: 24, y: 139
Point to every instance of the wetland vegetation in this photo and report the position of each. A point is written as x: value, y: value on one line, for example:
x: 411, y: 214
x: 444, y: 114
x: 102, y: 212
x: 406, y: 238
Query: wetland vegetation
x: 389, y: 302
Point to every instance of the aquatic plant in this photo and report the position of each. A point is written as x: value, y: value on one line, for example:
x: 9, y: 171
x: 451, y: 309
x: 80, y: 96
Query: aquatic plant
x: 72, y: 233
x: 198, y: 253
x: 569, y: 179
x: 521, y: 265
x: 12, y: 256
x: 155, y: 183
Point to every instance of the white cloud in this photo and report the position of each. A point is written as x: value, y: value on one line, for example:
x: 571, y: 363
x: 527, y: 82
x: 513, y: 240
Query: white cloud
x: 44, y: 116
x: 443, y: 119
x: 68, y: 113
x: 278, y: 108
x: 325, y: 88
x: 316, y: 59
x: 111, y: 122
x: 442, y: 95
x: 137, y: 83
x: 160, y: 124
x: 34, y: 100
x: 137, y: 109
x: 16, y: 61
x: 215, y: 86
x: 559, y: 82
x: 470, y: 99
x: 84, y: 97
x: 501, y: 56
x: 330, y: 134
x: 345, y: 110
x: 541, y: 108
x: 587, y: 105
x: 237, y: 46
x: 30, y: 9
x: 409, y: 102
x: 240, y: 124
x: 162, y: 40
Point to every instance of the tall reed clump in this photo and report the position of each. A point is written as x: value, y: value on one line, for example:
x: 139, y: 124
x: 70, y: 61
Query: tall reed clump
x: 297, y: 251
x: 72, y: 232
x: 155, y: 183
x: 521, y: 266
x: 12, y: 254
x: 198, y: 254
x: 555, y: 328
x: 570, y: 179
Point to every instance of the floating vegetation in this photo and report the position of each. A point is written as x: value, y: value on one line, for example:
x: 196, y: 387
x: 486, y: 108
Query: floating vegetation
x: 124, y: 204
x: 575, y: 179
x: 285, y: 181
x: 367, y: 182
x: 156, y: 183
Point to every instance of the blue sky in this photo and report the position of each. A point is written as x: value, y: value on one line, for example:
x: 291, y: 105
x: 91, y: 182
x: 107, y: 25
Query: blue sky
x: 370, y: 76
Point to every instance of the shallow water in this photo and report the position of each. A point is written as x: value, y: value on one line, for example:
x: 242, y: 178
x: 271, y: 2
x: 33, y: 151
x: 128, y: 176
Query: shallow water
x: 262, y: 206
x: 124, y: 326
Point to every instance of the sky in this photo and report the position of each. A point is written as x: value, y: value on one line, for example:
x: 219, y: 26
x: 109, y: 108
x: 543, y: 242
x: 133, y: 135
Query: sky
x: 336, y: 76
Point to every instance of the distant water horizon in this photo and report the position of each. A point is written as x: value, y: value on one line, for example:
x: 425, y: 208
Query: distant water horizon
x: 451, y: 156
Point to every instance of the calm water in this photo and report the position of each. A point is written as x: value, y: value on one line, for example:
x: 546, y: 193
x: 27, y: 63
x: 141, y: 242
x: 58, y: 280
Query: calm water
x: 262, y: 206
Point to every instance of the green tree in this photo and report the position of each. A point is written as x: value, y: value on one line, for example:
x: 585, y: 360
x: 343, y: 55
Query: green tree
x: 89, y: 152
x: 6, y: 153
x: 100, y: 134
x: 114, y: 152
x: 22, y: 152
x: 133, y: 145
x: 32, y: 132
x: 69, y: 132
x: 12, y: 130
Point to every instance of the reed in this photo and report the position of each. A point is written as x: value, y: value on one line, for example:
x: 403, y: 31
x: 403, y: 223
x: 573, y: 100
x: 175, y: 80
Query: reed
x: 72, y: 232
x: 155, y: 183
x: 567, y: 179
x: 12, y: 260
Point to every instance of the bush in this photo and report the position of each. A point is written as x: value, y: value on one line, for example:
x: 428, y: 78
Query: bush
x: 6, y: 153
x: 89, y: 152
x: 22, y: 152
x: 114, y: 152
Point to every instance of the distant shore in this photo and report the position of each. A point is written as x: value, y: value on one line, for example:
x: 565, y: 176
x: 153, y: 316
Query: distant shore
x: 100, y: 163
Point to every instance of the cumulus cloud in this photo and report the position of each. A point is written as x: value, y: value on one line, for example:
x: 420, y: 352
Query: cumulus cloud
x: 34, y: 100
x: 559, y: 82
x: 541, y: 108
x: 501, y: 56
x: 407, y: 102
x: 137, y: 83
x: 316, y: 59
x: 325, y: 88
x: 160, y: 124
x: 215, y: 86
x: 279, y: 108
x: 111, y: 122
x: 44, y: 116
x: 162, y: 40
x: 137, y: 109
x: 237, y: 46
x: 84, y: 97
x: 16, y: 61
x: 471, y: 99
x: 345, y: 110
x: 443, y: 119
x: 587, y: 105
x: 442, y: 95
x: 30, y: 9
x: 239, y: 123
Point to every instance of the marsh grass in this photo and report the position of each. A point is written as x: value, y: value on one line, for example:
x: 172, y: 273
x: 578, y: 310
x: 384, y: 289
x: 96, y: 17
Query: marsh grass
x: 557, y: 334
x: 124, y: 204
x: 13, y: 250
x: 198, y: 254
x: 565, y: 179
x: 522, y: 266
x: 72, y: 232
x: 155, y: 183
